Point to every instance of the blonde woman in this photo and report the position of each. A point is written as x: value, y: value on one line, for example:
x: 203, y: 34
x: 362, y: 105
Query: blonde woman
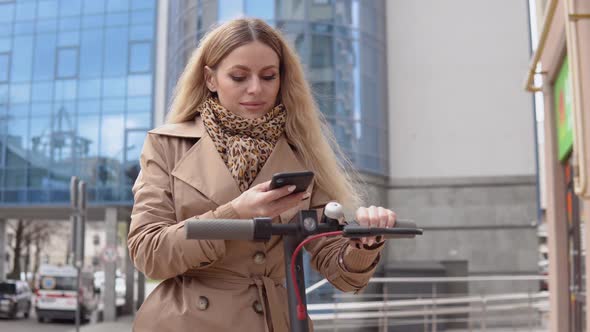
x: 242, y: 111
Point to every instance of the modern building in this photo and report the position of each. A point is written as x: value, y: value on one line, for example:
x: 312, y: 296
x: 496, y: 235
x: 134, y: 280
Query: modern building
x: 559, y: 76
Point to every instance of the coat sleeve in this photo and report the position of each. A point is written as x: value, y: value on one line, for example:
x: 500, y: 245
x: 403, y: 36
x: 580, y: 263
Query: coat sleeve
x: 157, y: 241
x: 358, y: 265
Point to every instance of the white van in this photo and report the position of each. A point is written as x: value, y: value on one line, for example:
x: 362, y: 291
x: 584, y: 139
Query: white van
x: 56, y: 293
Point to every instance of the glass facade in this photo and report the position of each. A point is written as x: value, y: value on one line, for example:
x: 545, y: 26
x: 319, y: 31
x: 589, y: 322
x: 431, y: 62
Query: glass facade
x: 76, y: 81
x: 340, y: 42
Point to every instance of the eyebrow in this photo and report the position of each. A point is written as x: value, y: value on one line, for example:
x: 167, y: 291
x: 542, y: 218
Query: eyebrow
x: 248, y: 69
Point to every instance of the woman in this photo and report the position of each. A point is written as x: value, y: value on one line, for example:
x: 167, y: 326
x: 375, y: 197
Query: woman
x: 242, y: 111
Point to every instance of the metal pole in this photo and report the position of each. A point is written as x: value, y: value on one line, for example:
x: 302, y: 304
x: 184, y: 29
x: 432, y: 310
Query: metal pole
x: 530, y: 310
x: 484, y: 315
x: 385, y: 320
x: 74, y: 200
x: 290, y: 243
x: 81, y: 209
x: 434, y: 295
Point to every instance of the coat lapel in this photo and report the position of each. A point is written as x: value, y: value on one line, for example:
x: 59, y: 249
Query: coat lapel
x: 203, y: 169
x: 282, y: 159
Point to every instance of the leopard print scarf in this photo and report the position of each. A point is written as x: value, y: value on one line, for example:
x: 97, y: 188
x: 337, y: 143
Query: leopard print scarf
x: 243, y: 144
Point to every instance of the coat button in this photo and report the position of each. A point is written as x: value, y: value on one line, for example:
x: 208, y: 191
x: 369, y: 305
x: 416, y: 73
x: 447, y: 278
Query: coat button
x: 259, y: 258
x: 203, y: 303
x: 257, y: 306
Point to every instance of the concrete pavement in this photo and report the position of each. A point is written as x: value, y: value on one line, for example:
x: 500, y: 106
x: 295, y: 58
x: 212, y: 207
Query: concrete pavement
x: 123, y: 324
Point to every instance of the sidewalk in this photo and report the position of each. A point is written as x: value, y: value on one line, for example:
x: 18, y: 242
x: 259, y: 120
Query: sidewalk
x: 123, y: 324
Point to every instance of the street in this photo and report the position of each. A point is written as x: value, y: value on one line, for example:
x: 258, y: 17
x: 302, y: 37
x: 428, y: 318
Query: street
x: 21, y: 324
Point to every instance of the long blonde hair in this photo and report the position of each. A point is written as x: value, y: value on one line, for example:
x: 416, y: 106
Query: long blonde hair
x: 305, y: 129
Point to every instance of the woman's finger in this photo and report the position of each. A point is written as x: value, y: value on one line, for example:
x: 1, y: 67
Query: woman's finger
x: 391, y: 217
x: 275, y: 194
x: 383, y: 217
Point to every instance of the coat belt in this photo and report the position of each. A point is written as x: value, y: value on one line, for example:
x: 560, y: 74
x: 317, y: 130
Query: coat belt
x: 264, y: 284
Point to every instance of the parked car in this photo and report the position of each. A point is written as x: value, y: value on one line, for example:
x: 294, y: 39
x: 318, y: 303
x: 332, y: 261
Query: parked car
x: 15, y: 298
x: 56, y: 293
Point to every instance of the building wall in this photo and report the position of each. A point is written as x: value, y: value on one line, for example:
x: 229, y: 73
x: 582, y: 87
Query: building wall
x: 456, y: 97
x: 461, y: 133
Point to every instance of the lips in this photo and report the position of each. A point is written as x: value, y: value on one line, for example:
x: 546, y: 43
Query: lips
x: 252, y: 105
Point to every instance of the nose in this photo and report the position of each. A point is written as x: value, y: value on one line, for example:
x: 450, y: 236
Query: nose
x: 254, y: 87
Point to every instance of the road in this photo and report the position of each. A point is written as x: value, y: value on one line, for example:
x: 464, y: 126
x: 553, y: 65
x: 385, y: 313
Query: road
x: 22, y: 324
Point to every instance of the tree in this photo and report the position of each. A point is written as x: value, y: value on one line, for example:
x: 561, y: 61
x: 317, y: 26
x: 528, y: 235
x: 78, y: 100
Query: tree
x: 28, y: 234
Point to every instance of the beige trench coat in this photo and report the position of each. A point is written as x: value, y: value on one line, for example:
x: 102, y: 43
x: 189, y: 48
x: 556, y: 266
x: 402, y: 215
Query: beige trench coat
x: 218, y: 285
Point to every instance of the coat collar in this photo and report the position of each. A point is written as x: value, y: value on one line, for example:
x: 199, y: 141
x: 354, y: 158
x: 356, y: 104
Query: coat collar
x: 203, y: 169
x: 193, y: 128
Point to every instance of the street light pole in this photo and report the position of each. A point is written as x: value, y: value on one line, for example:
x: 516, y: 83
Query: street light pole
x: 78, y: 218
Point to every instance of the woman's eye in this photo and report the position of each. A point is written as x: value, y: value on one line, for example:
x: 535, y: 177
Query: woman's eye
x: 238, y: 78
x: 269, y: 78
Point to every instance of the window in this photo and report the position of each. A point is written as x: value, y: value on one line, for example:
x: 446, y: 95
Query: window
x: 115, y: 57
x: 6, y: 12
x: 47, y: 9
x: 139, y: 85
x: 67, y: 62
x: 140, y: 57
x: 264, y: 9
x: 321, y: 51
x: 229, y: 9
x: 44, y: 56
x: 91, y: 54
x: 21, y: 60
x: 4, y: 66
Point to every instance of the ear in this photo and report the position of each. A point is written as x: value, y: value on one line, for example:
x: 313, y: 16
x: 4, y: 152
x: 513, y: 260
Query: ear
x: 210, y: 79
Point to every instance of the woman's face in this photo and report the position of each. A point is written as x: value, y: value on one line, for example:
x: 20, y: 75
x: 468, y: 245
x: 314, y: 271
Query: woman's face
x: 247, y: 80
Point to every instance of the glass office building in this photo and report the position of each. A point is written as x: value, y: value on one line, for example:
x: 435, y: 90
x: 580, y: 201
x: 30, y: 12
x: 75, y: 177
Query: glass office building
x: 340, y: 42
x: 76, y: 81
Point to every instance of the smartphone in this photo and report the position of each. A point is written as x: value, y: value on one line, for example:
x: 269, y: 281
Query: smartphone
x: 301, y: 180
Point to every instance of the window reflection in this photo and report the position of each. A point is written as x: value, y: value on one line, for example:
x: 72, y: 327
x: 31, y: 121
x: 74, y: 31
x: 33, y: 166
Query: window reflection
x: 114, y: 87
x: 21, y: 61
x: 25, y: 11
x: 115, y: 61
x: 89, y: 88
x: 44, y: 56
x: 229, y: 9
x: 67, y: 101
x: 88, y: 132
x: 70, y: 7
x: 47, y: 9
x: 138, y: 85
x: 67, y: 62
x: 42, y: 91
x: 140, y: 57
x: 292, y: 9
x: 264, y: 9
x: 111, y: 136
x: 94, y: 6
x: 6, y: 12
x: 91, y: 53
x: 138, y: 120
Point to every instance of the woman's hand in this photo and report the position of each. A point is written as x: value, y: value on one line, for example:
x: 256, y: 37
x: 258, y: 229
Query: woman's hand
x: 374, y: 217
x: 261, y: 201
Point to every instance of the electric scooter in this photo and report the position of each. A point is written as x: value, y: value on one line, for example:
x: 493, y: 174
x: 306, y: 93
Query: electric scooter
x: 302, y: 228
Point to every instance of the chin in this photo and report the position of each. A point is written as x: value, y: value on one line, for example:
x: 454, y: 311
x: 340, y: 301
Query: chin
x: 252, y: 114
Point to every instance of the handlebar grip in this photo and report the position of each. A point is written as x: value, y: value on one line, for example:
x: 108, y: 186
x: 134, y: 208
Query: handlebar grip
x: 402, y: 229
x: 220, y: 229
x: 400, y: 223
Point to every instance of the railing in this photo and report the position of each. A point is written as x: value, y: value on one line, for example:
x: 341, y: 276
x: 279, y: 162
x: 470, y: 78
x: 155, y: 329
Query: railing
x: 431, y: 310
